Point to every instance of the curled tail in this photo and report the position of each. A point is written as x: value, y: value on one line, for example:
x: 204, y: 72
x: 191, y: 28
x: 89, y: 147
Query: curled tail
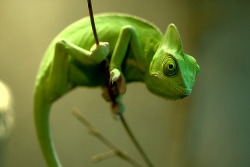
x: 41, y: 116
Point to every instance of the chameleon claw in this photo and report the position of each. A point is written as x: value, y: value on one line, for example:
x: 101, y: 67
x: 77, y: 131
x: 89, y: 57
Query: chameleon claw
x: 101, y: 45
x: 99, y: 52
x: 117, y: 76
x: 114, y: 75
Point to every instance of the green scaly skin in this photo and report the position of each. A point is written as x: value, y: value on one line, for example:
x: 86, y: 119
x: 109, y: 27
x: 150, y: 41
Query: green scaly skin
x: 136, y: 48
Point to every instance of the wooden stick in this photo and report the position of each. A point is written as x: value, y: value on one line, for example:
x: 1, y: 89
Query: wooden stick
x: 114, y: 150
x: 135, y: 142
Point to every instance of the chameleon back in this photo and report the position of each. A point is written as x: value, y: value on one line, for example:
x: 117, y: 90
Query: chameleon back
x: 108, y: 28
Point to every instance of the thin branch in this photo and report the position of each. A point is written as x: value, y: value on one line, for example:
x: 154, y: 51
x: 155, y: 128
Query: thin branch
x: 105, y: 155
x: 92, y: 21
x: 114, y: 150
x: 135, y: 142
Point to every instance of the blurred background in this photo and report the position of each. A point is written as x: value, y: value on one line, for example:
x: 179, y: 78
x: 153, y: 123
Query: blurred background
x: 208, y: 128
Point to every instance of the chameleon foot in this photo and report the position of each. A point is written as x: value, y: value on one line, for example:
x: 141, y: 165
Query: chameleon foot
x: 117, y: 76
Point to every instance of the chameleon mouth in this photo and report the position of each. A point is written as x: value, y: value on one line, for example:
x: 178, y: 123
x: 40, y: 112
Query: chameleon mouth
x: 182, y: 91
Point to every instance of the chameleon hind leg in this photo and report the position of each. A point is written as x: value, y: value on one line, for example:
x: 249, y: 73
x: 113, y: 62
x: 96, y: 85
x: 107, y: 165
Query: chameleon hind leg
x: 59, y: 75
x: 54, y: 84
x: 127, y: 37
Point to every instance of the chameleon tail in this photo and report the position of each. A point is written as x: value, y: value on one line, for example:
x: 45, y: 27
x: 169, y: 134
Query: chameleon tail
x: 41, y: 116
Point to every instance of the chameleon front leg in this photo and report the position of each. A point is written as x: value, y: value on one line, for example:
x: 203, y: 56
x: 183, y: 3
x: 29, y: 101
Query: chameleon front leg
x: 127, y: 36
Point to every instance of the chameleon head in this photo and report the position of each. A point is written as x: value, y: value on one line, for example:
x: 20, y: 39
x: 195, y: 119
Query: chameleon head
x: 172, y: 72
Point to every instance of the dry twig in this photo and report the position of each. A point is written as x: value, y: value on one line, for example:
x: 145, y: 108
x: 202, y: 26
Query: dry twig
x: 115, y: 151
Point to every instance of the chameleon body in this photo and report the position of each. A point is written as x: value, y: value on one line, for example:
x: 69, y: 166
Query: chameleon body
x: 137, y: 51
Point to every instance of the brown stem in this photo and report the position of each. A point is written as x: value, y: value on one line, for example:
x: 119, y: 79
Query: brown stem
x: 92, y: 21
x: 114, y: 150
x: 137, y: 145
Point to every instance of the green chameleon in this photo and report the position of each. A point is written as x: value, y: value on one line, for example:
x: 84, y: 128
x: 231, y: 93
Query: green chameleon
x: 137, y: 51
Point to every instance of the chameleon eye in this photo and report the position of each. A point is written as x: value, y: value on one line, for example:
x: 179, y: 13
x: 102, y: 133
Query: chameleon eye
x: 170, y: 67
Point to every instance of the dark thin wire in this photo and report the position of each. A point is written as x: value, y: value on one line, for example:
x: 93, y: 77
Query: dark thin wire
x: 137, y: 145
x: 92, y: 22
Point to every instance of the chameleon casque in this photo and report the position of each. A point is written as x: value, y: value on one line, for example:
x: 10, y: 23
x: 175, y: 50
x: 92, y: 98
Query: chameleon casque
x: 137, y: 51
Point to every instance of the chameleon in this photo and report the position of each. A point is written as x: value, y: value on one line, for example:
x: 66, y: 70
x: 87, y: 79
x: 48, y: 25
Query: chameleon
x: 137, y: 51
